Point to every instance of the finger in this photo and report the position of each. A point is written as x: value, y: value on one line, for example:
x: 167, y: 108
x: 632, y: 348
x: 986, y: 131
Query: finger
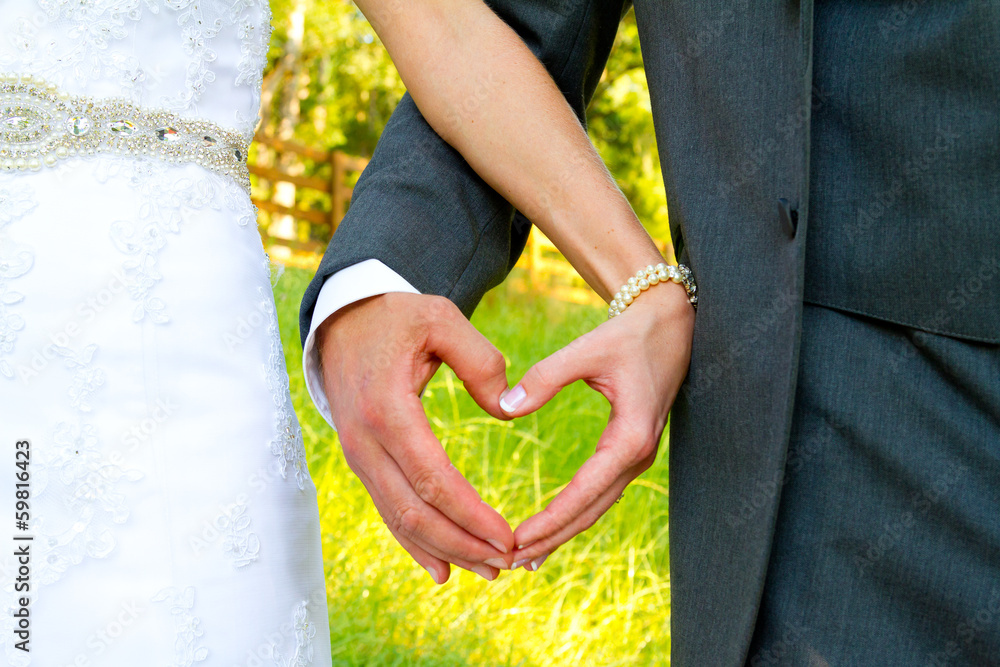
x: 582, y: 359
x: 476, y: 362
x: 407, y: 514
x: 407, y: 438
x: 601, y: 472
x: 439, y: 569
x: 622, y: 454
x: 539, y: 549
x: 429, y: 555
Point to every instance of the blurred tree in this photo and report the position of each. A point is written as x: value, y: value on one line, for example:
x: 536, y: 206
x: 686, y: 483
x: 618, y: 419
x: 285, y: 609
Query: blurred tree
x: 346, y: 88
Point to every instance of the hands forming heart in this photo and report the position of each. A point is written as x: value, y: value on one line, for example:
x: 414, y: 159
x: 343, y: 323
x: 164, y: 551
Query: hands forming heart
x: 378, y: 354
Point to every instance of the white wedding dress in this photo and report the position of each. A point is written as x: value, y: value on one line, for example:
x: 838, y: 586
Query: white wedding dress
x: 172, y: 515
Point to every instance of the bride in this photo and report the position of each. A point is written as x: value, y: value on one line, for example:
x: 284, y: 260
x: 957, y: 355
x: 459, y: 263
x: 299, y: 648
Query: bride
x: 164, y: 509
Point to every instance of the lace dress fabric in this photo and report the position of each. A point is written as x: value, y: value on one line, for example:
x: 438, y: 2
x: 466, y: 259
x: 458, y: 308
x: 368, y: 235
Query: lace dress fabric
x: 173, y: 517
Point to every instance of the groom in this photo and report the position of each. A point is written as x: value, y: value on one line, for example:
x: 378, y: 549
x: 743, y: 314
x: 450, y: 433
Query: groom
x: 833, y: 175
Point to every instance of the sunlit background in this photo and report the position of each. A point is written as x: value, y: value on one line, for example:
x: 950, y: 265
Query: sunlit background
x: 604, y: 599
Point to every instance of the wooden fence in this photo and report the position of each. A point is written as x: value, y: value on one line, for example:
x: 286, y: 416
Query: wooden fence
x: 544, y: 269
x: 327, y: 179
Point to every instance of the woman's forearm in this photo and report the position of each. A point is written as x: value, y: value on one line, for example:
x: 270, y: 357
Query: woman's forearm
x: 486, y: 94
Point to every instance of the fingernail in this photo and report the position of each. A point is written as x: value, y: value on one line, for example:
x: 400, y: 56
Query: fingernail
x: 484, y: 572
x: 434, y: 576
x: 498, y: 563
x: 512, y: 398
x: 537, y: 563
x: 498, y: 545
x: 520, y: 563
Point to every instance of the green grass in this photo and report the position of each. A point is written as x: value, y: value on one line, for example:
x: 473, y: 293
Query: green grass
x: 603, y: 599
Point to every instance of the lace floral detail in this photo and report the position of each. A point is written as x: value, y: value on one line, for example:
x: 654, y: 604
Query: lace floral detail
x: 15, y: 203
x: 242, y: 206
x: 15, y: 261
x: 89, y: 478
x: 83, y: 51
x: 86, y: 480
x: 87, y: 493
x: 241, y: 545
x: 287, y: 444
x: 188, y: 626
x: 81, y: 41
x: 86, y: 379
x: 88, y: 473
x: 166, y: 204
x: 288, y: 447
x: 255, y: 36
x: 303, y: 631
x: 198, y: 33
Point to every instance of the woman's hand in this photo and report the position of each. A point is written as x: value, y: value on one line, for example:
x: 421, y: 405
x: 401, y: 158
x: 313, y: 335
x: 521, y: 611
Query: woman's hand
x: 638, y: 361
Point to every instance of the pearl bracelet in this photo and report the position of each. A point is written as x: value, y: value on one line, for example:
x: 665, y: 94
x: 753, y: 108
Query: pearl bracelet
x: 652, y: 275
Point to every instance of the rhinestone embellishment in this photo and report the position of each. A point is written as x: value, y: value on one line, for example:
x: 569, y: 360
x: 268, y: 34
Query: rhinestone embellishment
x: 17, y: 120
x: 124, y: 127
x: 167, y: 134
x: 41, y: 125
x: 79, y: 125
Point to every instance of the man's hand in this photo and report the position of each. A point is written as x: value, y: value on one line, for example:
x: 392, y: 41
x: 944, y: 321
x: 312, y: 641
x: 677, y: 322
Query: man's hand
x: 377, y: 355
x: 638, y: 361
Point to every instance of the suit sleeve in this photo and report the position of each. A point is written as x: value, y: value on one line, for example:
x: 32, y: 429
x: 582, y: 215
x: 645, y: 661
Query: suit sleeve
x: 422, y: 211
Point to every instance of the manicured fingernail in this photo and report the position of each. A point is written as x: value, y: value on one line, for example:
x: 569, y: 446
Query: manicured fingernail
x: 484, y: 572
x: 537, y: 563
x: 498, y: 563
x: 512, y: 398
x: 434, y: 576
x: 520, y: 563
x: 498, y: 545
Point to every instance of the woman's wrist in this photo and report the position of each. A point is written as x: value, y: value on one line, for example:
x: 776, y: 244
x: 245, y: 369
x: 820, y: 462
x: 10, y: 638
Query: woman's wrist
x: 602, y: 238
x: 648, y: 278
x: 643, y: 253
x: 668, y: 301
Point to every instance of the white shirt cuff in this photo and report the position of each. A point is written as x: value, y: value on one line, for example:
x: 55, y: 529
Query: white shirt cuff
x: 358, y: 281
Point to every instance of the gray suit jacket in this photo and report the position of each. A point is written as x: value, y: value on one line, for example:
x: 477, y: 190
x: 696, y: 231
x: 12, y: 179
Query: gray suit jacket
x: 860, y: 139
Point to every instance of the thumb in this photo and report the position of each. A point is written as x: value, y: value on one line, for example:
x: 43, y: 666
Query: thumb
x: 580, y: 360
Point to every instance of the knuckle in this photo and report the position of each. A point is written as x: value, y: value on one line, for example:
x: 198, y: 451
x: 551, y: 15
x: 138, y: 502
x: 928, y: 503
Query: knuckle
x: 405, y: 520
x: 640, y: 446
x: 494, y: 364
x: 543, y: 373
x: 580, y: 344
x: 371, y: 414
x: 347, y: 443
x: 645, y: 450
x: 438, y: 308
x: 429, y: 485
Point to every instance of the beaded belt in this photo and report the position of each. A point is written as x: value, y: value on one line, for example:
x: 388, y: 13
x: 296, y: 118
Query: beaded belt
x: 41, y: 125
